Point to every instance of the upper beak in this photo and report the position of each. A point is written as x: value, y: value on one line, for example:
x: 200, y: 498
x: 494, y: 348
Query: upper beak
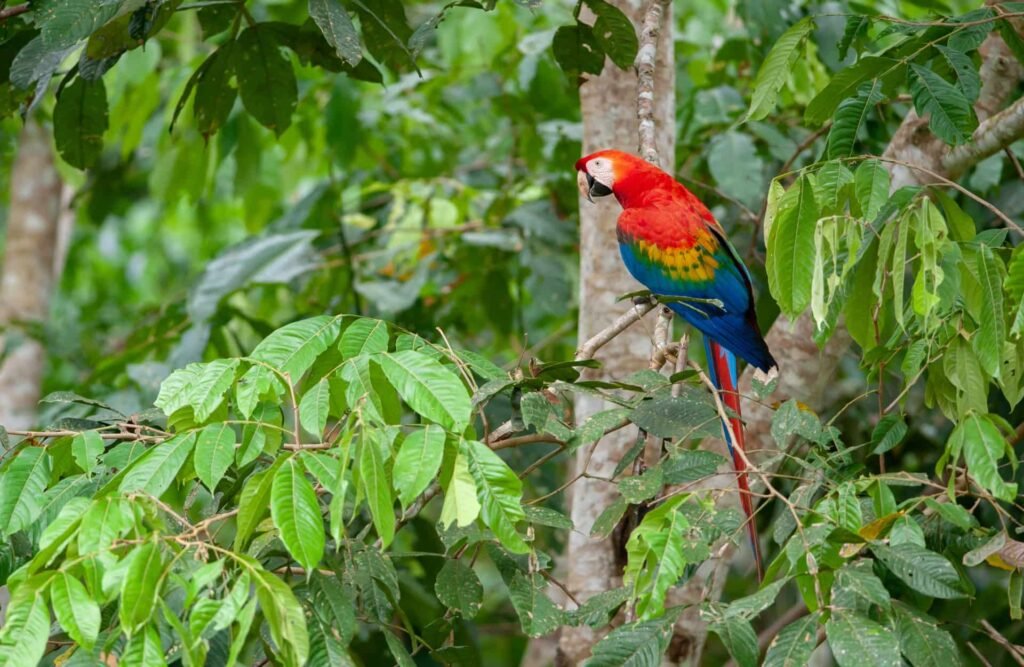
x: 590, y: 187
x: 583, y: 180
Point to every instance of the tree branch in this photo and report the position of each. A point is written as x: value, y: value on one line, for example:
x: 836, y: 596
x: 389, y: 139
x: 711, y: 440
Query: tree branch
x: 623, y: 322
x: 11, y: 12
x: 993, y: 135
x: 646, y: 56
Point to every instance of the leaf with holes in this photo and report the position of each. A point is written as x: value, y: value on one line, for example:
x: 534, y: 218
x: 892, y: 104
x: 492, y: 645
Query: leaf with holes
x: 79, y: 121
x: 458, y: 588
x: 266, y: 79
x: 856, y: 640
x: 925, y: 571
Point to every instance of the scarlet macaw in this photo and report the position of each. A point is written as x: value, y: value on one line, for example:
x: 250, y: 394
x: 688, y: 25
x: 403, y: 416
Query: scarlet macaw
x: 672, y: 244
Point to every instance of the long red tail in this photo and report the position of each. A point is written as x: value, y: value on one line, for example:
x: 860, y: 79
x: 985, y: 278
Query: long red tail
x: 722, y: 364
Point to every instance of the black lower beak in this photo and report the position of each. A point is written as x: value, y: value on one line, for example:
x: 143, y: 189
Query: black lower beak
x: 596, y: 188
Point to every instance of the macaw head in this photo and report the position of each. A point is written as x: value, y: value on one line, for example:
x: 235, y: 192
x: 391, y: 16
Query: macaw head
x: 603, y: 173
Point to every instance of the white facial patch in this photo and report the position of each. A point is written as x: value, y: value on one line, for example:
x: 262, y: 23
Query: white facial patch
x: 601, y: 169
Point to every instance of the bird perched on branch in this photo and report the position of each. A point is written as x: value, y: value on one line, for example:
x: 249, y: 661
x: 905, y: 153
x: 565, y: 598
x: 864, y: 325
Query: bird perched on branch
x: 672, y: 244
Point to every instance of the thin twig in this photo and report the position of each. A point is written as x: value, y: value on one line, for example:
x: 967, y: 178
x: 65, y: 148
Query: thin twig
x: 953, y: 184
x: 998, y: 638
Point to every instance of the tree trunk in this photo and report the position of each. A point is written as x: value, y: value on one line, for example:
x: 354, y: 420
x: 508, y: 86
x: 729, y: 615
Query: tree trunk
x: 609, y: 109
x: 29, y: 270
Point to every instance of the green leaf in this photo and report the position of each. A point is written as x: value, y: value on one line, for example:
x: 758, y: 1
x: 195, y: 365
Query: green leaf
x: 429, y: 388
x: 282, y: 613
x: 793, y: 646
x: 777, y: 68
x: 577, y: 50
x: 736, y: 166
x: 296, y: 514
x: 983, y: 446
x: 856, y: 640
x: 922, y: 641
x: 614, y: 33
x: 752, y: 605
x: 460, y: 496
x: 634, y: 645
x: 988, y: 340
x: 293, y: 348
x: 254, y: 502
x: 656, y: 559
x: 922, y: 570
x: 154, y: 471
x: 1014, y: 286
x: 951, y: 117
x: 364, y: 336
x: 26, y: 624
x: 856, y: 582
x: 79, y: 121
x: 689, y: 415
x: 545, y: 516
x: 86, y: 448
x: 314, y: 406
x: 738, y: 636
x: 458, y: 588
x: 209, y: 387
x: 22, y: 481
x: 538, y: 615
x: 265, y: 78
x: 334, y: 22
x: 215, y: 96
x: 845, y: 83
x: 638, y: 488
x: 888, y: 433
x: 418, y: 462
x: 336, y: 603
x: 688, y: 465
x: 871, y: 185
x: 385, y: 31
x: 143, y: 649
x: 374, y: 480
x: 76, y: 611
x: 398, y: 650
x: 833, y: 177
x: 790, y: 261
x: 609, y: 518
x: 967, y: 78
x: 140, y: 587
x: 850, y: 117
x: 215, y: 451
x: 500, y: 494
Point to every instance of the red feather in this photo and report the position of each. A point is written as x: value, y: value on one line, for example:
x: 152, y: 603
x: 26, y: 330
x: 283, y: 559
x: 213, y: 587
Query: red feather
x: 731, y: 398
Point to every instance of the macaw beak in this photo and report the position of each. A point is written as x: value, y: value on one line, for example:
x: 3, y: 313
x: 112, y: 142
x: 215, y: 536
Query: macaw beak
x: 590, y: 187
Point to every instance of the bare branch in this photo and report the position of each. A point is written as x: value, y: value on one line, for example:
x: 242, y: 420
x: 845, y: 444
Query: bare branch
x: 626, y: 320
x: 11, y: 12
x: 645, y: 61
x: 993, y: 135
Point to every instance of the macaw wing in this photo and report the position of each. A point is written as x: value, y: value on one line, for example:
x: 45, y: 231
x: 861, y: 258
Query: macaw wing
x: 705, y: 267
